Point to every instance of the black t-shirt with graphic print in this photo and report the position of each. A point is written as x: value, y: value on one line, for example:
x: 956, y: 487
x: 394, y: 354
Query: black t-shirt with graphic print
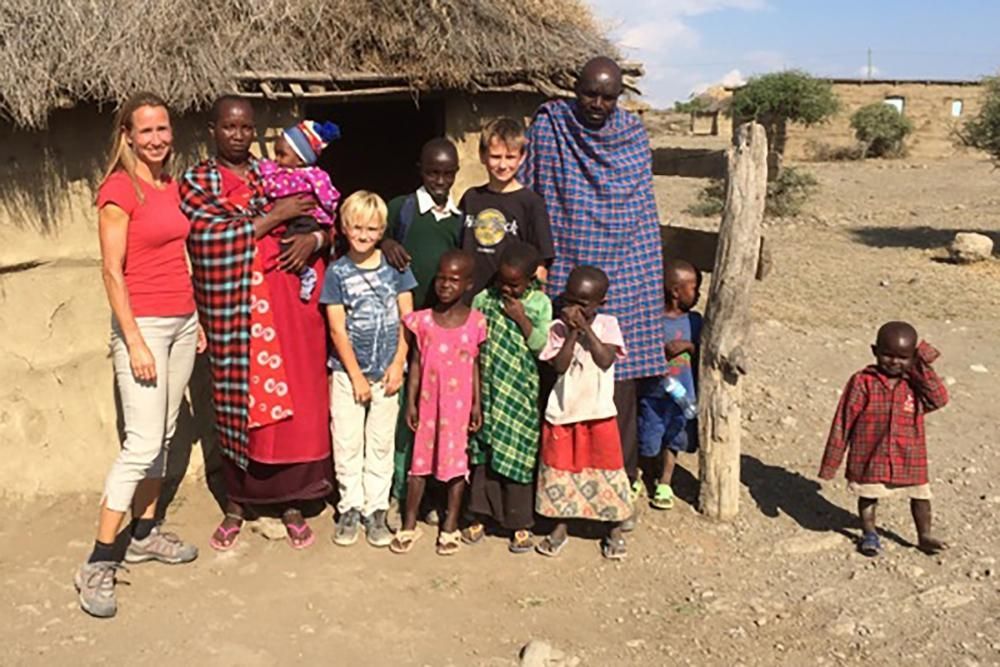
x: 492, y: 219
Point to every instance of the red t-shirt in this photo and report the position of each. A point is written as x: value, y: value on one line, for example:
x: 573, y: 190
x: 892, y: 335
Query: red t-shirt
x: 156, y: 270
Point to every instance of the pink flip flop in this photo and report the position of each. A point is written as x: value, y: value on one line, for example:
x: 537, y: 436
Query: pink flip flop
x: 226, y: 532
x: 299, y: 530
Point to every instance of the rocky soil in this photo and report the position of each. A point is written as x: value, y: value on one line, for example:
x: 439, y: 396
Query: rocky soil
x: 780, y: 585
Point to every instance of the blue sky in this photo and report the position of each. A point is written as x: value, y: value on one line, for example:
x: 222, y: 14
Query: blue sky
x: 687, y: 45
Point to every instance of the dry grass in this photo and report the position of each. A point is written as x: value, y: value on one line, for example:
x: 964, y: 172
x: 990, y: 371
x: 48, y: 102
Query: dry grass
x: 53, y: 54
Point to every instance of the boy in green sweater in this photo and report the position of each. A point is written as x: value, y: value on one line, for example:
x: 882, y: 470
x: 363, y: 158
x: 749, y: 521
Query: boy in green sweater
x: 423, y: 225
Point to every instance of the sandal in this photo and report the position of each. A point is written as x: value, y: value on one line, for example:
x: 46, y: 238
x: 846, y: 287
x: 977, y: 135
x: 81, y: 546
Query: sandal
x: 229, y: 535
x: 404, y: 540
x: 636, y: 490
x: 614, y: 548
x: 300, y: 535
x: 663, y: 498
x: 474, y: 533
x: 870, y: 545
x: 448, y: 544
x: 549, y: 547
x: 520, y: 542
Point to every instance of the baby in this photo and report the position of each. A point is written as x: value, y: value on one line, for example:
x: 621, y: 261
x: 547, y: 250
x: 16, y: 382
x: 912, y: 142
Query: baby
x: 294, y: 172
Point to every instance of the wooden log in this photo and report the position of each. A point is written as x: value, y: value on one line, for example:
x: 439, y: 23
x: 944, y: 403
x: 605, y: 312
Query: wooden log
x: 723, y: 358
x: 699, y: 247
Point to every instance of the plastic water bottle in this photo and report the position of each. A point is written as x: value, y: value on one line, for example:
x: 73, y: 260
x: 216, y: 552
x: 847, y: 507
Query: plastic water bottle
x: 678, y: 393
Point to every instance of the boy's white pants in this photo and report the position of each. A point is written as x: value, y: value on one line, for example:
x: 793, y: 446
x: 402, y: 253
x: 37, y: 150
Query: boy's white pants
x: 364, y: 440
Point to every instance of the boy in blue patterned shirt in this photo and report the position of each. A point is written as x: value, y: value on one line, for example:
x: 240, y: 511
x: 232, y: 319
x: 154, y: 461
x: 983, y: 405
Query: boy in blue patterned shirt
x: 365, y: 301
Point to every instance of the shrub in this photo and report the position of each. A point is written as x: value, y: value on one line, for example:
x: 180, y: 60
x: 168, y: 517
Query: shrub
x: 824, y: 152
x: 881, y: 129
x: 983, y: 130
x: 776, y: 98
x: 786, y: 195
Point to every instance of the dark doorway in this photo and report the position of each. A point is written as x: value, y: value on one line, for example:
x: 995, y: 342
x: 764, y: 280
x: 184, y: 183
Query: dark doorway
x: 380, y: 143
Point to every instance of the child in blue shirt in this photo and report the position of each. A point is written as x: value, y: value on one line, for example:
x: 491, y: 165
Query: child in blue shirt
x: 664, y: 431
x: 365, y: 301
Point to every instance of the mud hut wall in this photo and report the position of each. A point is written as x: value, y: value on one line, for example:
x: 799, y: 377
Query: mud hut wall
x: 928, y: 105
x: 58, y: 430
x: 465, y: 117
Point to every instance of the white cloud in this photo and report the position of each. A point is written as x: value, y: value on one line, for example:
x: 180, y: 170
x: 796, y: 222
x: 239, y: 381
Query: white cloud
x: 863, y: 71
x: 659, y: 34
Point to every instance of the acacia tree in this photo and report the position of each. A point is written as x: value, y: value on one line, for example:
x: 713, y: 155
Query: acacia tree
x: 777, y: 98
x: 982, y: 131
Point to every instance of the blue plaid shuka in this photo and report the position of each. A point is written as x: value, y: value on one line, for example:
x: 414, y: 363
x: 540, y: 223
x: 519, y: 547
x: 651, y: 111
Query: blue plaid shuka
x: 598, y: 189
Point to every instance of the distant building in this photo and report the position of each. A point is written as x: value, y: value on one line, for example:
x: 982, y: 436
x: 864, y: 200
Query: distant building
x: 936, y: 107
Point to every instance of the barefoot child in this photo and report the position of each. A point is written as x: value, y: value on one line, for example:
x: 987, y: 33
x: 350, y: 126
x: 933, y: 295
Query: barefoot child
x: 365, y: 299
x: 880, y: 420
x: 504, y: 450
x: 503, y: 211
x: 294, y: 172
x: 442, y: 404
x: 664, y: 429
x: 582, y: 473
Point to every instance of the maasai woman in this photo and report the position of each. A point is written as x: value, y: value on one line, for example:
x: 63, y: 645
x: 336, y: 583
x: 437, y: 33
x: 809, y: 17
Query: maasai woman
x: 267, y: 347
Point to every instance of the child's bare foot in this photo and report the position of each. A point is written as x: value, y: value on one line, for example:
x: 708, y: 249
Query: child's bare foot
x: 931, y: 545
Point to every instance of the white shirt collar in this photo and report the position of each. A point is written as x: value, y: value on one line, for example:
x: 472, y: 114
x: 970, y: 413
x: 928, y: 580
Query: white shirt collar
x: 426, y: 203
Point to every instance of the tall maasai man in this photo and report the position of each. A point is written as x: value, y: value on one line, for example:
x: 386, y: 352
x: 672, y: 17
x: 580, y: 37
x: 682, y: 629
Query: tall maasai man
x: 591, y: 163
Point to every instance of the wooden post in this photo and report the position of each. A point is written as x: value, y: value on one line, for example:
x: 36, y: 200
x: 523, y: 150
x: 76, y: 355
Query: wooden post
x: 723, y: 359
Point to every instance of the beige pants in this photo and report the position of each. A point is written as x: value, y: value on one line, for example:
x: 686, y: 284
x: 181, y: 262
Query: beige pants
x: 364, y: 439
x: 877, y: 491
x: 149, y: 409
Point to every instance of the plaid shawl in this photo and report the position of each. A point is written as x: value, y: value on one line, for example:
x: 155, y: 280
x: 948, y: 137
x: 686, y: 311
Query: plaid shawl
x: 509, y: 437
x: 598, y: 189
x: 221, y: 244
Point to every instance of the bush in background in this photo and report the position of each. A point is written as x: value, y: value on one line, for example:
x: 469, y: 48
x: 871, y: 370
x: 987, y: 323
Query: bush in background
x: 881, y: 129
x: 786, y: 195
x: 983, y: 130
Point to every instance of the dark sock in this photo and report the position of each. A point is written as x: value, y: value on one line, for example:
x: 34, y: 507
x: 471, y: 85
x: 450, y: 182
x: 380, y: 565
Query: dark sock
x: 141, y: 528
x: 102, y: 551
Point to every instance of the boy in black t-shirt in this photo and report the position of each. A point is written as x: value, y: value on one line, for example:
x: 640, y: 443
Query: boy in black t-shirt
x: 503, y: 210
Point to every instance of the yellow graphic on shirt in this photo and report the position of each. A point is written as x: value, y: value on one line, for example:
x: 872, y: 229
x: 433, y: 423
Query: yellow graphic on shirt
x: 491, y: 226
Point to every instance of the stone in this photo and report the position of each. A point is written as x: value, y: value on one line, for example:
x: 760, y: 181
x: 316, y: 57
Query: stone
x: 968, y: 247
x: 978, y: 368
x: 538, y: 653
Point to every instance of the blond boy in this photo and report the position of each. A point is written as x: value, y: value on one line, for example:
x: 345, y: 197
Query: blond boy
x: 365, y: 299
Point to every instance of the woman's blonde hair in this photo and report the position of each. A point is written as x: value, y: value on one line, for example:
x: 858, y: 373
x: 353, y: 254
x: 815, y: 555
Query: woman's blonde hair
x: 361, y: 207
x: 121, y: 156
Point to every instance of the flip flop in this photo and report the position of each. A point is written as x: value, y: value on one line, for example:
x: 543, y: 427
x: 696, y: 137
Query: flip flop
x: 448, y: 544
x: 474, y: 534
x: 663, y: 498
x: 221, y: 545
x: 870, y: 545
x: 614, y: 549
x: 520, y: 542
x: 295, y: 534
x: 404, y: 540
x: 549, y: 547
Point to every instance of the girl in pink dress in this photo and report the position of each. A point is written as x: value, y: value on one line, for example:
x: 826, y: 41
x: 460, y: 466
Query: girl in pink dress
x: 442, y: 398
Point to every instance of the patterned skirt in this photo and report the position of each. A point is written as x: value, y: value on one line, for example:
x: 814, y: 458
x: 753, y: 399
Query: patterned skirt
x: 582, y: 474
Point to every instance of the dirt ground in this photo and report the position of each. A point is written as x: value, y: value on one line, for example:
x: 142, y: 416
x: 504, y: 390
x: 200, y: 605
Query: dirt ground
x: 780, y: 585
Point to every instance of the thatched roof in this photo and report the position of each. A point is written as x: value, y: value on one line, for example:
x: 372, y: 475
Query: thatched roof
x: 54, y: 54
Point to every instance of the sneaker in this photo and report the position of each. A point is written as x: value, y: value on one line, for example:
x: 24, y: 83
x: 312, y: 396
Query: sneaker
x: 164, y: 547
x: 376, y: 531
x: 96, y: 585
x: 346, y: 532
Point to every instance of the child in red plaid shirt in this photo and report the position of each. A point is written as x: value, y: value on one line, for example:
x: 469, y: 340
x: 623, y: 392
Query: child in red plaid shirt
x: 880, y: 420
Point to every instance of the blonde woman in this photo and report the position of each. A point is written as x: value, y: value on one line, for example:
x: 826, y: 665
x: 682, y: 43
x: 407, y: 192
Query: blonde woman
x: 154, y: 338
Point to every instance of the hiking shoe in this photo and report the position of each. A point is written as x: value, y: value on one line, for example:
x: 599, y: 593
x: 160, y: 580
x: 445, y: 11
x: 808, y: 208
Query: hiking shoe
x: 376, y: 531
x: 160, y: 546
x: 346, y: 532
x: 96, y: 585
